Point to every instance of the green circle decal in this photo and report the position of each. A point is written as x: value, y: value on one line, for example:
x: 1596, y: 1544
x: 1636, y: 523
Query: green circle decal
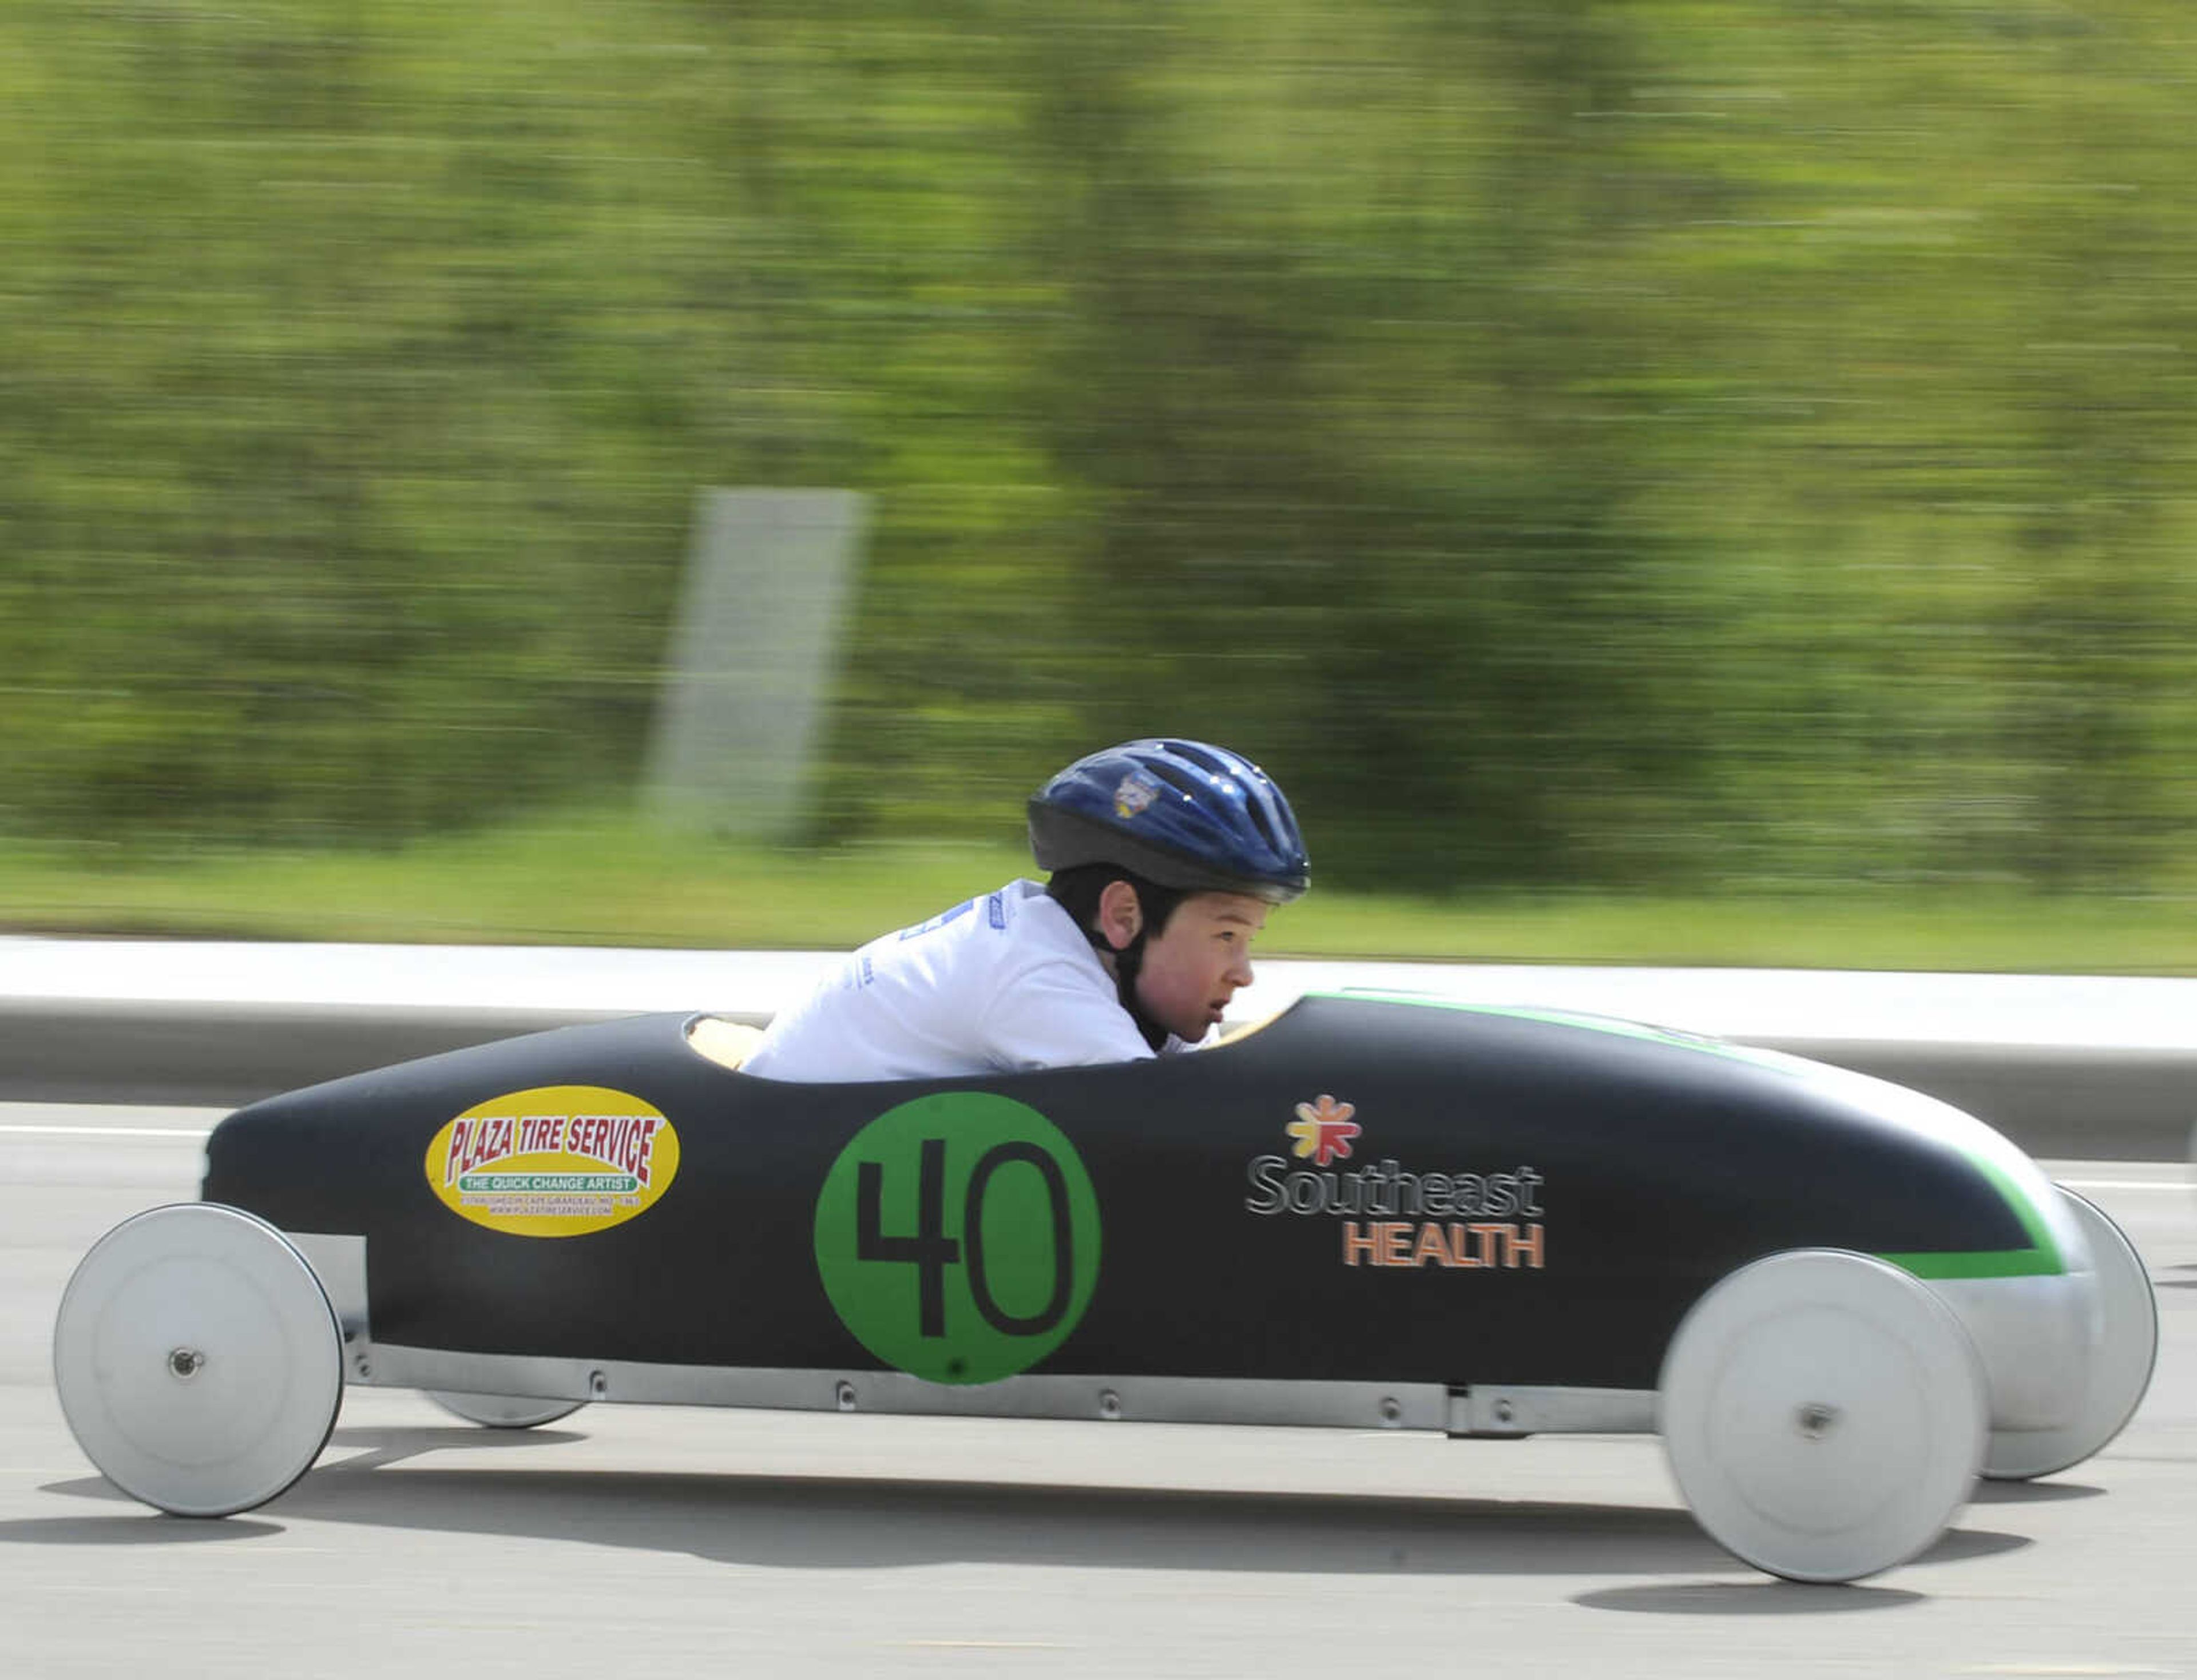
x: 958, y: 1236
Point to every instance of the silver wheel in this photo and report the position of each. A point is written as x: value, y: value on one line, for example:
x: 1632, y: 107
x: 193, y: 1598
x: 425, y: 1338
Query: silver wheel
x: 1823, y: 1413
x: 502, y: 1411
x: 198, y: 1361
x: 2123, y: 1350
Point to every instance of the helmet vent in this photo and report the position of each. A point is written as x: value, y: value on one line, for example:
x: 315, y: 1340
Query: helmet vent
x: 1176, y: 778
x: 1202, y: 755
x: 1260, y: 805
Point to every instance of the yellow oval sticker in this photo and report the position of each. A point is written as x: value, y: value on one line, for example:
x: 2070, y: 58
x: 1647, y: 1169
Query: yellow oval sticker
x: 557, y: 1161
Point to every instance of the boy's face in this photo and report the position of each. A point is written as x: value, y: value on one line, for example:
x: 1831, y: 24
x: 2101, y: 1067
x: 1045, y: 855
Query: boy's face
x: 1199, y: 961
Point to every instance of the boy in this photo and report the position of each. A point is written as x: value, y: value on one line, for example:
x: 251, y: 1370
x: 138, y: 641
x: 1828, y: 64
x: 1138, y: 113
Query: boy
x: 1164, y: 857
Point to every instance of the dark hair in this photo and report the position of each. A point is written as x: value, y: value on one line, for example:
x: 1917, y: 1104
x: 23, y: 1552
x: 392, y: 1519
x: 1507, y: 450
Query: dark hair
x: 1077, y: 891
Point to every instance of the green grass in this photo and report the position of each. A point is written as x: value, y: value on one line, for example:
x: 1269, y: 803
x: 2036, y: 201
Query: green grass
x: 610, y: 881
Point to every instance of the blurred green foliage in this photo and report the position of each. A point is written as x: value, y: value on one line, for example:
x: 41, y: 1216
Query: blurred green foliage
x: 597, y: 878
x: 1714, y: 441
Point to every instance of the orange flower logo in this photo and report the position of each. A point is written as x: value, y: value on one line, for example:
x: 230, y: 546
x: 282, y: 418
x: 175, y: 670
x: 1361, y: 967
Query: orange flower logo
x: 1322, y: 1130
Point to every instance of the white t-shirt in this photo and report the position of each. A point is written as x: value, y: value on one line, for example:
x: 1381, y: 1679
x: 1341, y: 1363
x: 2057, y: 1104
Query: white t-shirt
x: 1002, y: 983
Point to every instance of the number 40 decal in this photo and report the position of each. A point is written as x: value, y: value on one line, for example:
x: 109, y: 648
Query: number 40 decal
x: 958, y: 1236
x: 931, y: 1251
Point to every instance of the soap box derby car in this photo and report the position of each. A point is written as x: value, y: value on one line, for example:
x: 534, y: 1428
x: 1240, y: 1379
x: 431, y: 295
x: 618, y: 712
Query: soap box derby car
x: 1836, y: 1300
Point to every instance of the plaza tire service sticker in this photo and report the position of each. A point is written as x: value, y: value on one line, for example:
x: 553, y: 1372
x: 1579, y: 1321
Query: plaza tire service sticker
x: 1458, y: 1221
x: 956, y: 1237
x: 558, y: 1160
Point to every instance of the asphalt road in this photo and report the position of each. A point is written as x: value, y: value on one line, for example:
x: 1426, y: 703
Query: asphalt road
x: 673, y: 1543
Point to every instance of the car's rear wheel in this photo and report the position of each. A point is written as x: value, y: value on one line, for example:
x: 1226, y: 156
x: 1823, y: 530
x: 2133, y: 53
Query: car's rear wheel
x: 1824, y: 1414
x: 2122, y: 1354
x: 198, y: 1361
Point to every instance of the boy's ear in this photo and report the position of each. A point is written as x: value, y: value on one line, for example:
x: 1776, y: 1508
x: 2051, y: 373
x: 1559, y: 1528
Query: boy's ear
x: 1121, y: 915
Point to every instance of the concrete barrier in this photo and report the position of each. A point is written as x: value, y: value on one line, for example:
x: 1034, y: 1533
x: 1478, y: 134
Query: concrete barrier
x: 2088, y: 1066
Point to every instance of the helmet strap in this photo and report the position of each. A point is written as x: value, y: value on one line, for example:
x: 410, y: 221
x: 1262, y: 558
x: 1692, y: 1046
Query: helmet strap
x: 1128, y: 961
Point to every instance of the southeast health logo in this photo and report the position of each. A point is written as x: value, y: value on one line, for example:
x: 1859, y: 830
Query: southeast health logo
x: 956, y: 1237
x: 1389, y: 1217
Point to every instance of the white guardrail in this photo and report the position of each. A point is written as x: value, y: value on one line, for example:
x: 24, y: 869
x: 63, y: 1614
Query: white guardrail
x: 1792, y: 1005
x: 141, y: 1020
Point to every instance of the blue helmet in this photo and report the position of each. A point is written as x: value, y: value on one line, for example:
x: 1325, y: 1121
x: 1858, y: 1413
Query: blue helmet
x: 1179, y: 813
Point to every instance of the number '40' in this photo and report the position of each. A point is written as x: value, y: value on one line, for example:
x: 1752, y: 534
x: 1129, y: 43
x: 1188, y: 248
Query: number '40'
x: 931, y: 1250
